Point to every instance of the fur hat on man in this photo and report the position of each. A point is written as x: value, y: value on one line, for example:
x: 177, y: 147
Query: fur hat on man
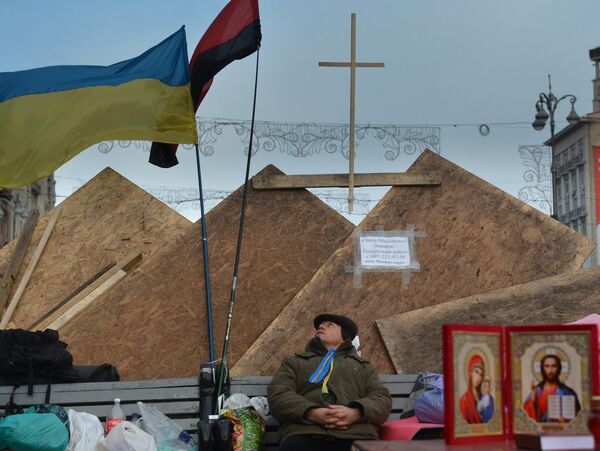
x: 349, y: 327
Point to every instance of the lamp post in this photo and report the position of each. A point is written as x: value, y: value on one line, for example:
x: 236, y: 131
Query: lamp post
x: 550, y: 101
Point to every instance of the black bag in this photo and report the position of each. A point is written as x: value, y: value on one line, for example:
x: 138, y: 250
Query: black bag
x: 100, y: 373
x: 30, y: 357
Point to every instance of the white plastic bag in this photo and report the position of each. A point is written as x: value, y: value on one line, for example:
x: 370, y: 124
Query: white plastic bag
x: 236, y: 401
x: 261, y: 404
x: 86, y: 430
x: 240, y: 400
x: 126, y: 436
x: 169, y: 435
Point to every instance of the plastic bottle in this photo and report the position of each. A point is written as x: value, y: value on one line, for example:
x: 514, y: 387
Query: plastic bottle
x: 114, y: 417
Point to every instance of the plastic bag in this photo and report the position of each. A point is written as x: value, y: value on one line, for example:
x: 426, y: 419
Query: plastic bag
x: 236, y: 401
x: 424, y: 383
x: 33, y: 432
x: 261, y: 405
x: 240, y: 400
x: 248, y: 428
x: 169, y: 435
x: 126, y: 436
x: 429, y: 405
x: 86, y: 431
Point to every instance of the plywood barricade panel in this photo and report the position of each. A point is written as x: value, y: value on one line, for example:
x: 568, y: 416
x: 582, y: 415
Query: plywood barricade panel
x: 106, y: 219
x: 479, y: 238
x: 414, y: 339
x: 13, y: 265
x: 153, y: 324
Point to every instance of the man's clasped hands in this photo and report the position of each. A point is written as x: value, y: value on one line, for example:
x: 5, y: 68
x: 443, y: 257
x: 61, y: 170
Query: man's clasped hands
x: 333, y: 416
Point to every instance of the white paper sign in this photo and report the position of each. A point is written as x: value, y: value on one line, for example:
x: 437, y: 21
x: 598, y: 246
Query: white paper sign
x: 384, y: 251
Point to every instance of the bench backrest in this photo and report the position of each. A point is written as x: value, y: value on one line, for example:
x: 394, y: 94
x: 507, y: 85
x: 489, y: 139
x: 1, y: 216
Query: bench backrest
x: 177, y: 398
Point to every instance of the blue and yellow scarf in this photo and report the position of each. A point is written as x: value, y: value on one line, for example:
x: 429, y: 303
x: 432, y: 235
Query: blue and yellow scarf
x: 323, y: 371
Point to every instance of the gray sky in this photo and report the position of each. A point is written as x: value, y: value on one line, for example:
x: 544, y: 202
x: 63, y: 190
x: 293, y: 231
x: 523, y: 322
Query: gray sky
x: 447, y: 62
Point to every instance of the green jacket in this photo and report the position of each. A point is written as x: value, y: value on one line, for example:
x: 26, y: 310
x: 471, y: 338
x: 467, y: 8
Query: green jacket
x: 353, y: 383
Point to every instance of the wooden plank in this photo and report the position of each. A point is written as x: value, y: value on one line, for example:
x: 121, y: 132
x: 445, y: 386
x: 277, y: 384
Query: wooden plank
x: 265, y: 380
x: 17, y: 258
x: 341, y: 64
x: 171, y: 409
x: 106, y: 397
x: 399, y: 388
x: 109, y: 386
x: 260, y: 182
x: 72, y: 295
x: 30, y: 268
x: 176, y: 388
x: 126, y: 264
x: 85, y: 302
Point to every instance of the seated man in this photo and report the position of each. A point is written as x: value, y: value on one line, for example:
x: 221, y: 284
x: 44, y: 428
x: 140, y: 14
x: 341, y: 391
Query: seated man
x: 328, y: 396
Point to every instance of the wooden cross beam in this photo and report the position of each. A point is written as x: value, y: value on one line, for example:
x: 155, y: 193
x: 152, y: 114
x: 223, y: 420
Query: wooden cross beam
x: 352, y: 64
x: 261, y: 182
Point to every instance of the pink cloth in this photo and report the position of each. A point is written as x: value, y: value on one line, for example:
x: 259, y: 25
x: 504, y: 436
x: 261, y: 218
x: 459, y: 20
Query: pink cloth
x: 593, y: 318
x: 404, y: 429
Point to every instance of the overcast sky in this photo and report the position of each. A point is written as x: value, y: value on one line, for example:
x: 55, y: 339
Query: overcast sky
x: 446, y: 62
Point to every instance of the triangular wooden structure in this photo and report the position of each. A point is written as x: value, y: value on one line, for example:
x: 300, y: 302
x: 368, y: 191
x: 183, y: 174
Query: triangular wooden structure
x: 153, y: 324
x: 102, y: 222
x: 414, y: 339
x: 478, y: 238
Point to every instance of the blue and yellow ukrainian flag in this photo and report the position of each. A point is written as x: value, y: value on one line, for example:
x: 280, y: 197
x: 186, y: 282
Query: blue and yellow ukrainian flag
x: 49, y: 115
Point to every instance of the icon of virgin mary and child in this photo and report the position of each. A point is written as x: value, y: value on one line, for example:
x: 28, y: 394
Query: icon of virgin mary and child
x: 477, y: 403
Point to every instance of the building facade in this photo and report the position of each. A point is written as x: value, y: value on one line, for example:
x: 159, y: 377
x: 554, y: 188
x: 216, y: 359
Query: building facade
x: 577, y: 160
x: 15, y: 205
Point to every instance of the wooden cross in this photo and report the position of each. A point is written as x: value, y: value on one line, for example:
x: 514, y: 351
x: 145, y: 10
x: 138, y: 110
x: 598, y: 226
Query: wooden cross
x: 275, y: 182
x: 352, y: 65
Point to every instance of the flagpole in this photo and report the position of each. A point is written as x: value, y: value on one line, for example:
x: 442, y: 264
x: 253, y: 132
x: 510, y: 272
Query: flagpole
x: 211, y: 345
x: 239, y: 246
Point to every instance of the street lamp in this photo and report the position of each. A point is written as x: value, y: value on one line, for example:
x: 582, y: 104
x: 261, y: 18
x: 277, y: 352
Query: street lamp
x: 550, y: 101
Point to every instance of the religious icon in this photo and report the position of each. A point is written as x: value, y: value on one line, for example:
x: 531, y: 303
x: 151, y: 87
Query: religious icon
x: 477, y: 402
x: 553, y: 376
x: 473, y: 391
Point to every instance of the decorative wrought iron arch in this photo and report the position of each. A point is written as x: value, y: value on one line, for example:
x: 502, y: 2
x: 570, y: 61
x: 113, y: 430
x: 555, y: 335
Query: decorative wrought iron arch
x: 301, y: 140
x: 538, y: 191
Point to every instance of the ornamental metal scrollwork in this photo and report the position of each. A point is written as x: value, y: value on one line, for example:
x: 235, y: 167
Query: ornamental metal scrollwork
x: 181, y: 199
x: 302, y: 140
x: 538, y: 192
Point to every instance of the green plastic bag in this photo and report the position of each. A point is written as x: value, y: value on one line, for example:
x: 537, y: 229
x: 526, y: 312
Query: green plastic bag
x: 33, y: 432
x: 248, y: 428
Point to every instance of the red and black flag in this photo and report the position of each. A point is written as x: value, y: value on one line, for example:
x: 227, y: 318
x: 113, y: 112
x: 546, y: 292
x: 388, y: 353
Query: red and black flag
x: 233, y: 35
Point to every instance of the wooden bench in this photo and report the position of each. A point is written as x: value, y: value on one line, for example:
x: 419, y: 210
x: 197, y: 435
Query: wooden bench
x: 177, y: 398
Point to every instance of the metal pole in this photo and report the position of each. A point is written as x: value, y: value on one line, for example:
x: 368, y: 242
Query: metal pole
x: 551, y: 108
x: 352, y: 113
x: 553, y: 166
x: 239, y: 246
x: 211, y: 345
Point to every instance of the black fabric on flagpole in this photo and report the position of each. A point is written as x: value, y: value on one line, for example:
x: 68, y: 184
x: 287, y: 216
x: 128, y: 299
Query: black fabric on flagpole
x: 163, y: 155
x: 239, y: 245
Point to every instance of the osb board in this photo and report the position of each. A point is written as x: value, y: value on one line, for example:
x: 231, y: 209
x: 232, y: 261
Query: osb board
x: 414, y: 339
x: 153, y: 324
x: 106, y: 219
x: 478, y: 238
